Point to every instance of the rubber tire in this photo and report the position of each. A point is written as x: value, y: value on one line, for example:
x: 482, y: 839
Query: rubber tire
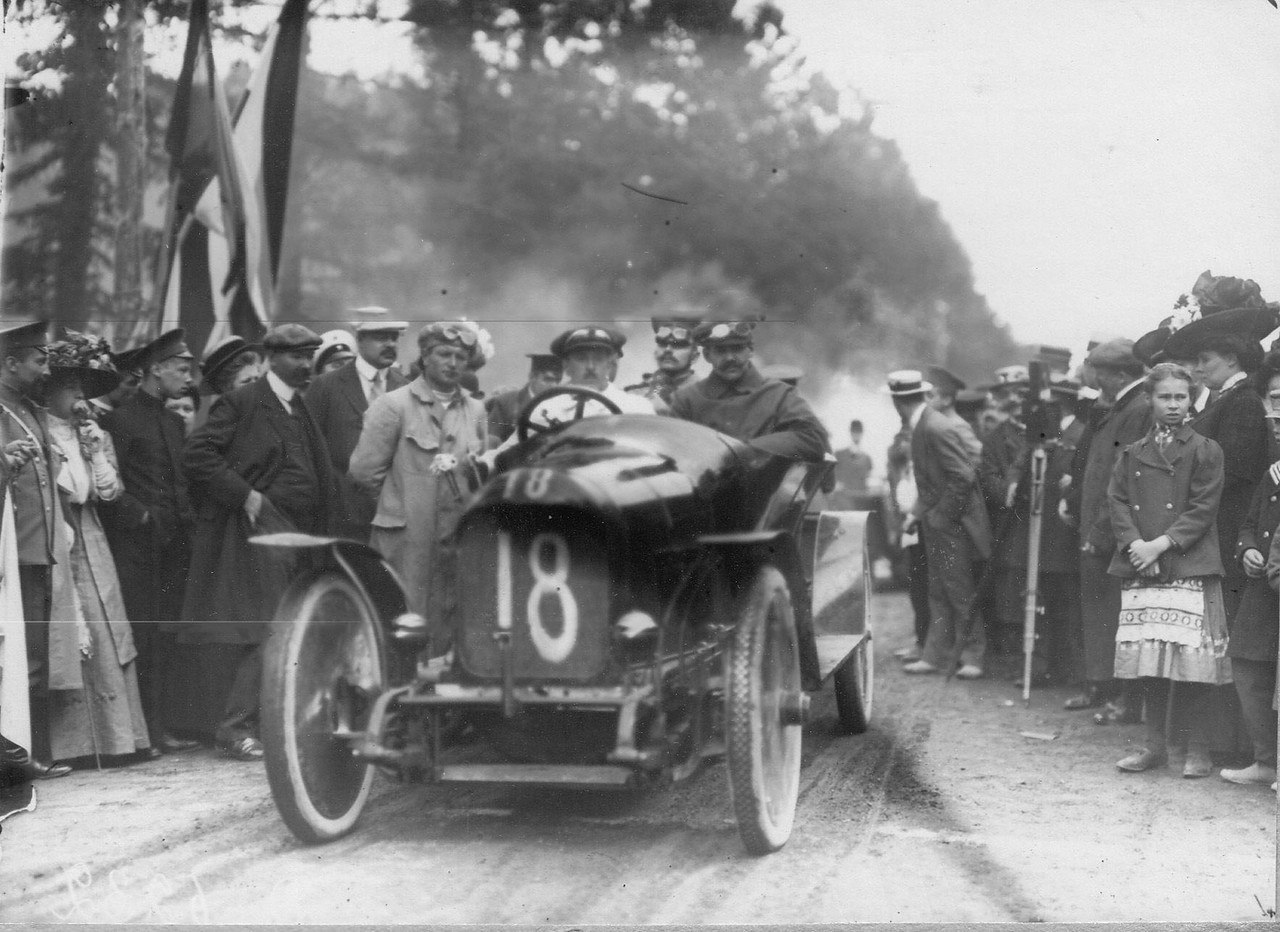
x: 854, y: 681
x: 765, y: 813
x: 315, y: 813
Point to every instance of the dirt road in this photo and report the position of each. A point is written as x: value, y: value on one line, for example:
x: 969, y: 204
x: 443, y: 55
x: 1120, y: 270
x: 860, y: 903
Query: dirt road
x: 942, y: 812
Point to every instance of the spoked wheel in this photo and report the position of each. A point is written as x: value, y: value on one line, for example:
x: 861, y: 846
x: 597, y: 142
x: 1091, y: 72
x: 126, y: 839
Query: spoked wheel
x: 763, y: 713
x: 855, y: 686
x: 322, y: 671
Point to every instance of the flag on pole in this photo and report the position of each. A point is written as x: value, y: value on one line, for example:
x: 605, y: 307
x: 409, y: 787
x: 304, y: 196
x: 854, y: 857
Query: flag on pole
x: 229, y: 186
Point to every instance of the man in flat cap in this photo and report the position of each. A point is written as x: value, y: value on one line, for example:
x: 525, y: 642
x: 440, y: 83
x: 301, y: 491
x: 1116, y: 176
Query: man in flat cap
x: 735, y: 399
x: 675, y: 352
x: 258, y: 465
x: 31, y: 474
x: 338, y: 402
x: 415, y: 459
x: 949, y: 516
x: 150, y: 525
x: 545, y: 371
x: 1119, y: 375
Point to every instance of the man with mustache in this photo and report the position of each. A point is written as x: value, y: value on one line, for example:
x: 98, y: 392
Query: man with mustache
x: 259, y: 465
x: 30, y: 472
x: 675, y: 353
x: 338, y: 401
x: 735, y: 399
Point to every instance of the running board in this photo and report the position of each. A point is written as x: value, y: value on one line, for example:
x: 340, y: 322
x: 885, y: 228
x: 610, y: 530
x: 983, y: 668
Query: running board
x: 538, y: 775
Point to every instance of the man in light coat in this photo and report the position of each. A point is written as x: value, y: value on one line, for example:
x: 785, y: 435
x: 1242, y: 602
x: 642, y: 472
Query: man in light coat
x: 415, y: 457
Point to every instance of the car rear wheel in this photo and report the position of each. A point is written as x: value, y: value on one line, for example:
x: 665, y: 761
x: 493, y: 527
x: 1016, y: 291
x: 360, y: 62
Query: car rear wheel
x: 763, y: 714
x: 854, y: 683
x: 322, y: 670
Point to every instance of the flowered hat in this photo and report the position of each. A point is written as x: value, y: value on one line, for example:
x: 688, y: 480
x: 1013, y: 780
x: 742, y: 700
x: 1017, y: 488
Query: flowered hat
x: 83, y: 359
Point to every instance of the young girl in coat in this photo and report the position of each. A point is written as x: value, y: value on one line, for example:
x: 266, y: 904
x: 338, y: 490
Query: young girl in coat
x: 1164, y: 497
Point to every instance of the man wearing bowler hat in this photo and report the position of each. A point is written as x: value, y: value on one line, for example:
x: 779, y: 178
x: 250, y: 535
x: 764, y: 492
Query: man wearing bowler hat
x: 149, y: 526
x: 258, y: 465
x: 545, y: 371
x: 31, y: 474
x: 338, y: 401
x: 735, y: 399
x: 675, y: 353
x: 950, y: 517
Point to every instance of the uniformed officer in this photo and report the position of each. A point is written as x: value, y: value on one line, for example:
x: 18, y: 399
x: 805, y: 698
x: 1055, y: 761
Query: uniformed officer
x: 737, y: 400
x: 675, y: 352
x: 30, y: 473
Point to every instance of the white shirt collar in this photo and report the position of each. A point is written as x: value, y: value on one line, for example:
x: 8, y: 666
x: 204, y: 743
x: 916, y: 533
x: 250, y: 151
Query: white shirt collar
x: 367, y: 371
x: 284, y: 392
x: 918, y: 413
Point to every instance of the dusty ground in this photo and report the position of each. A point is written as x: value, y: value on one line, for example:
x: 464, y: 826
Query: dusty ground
x: 942, y: 812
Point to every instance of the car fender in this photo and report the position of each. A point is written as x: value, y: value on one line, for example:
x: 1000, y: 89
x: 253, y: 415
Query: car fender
x: 378, y: 582
x: 747, y: 550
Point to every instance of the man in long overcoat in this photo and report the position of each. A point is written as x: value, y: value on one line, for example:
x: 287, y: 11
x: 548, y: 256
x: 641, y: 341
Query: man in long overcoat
x: 258, y: 465
x: 953, y: 523
x: 1119, y: 375
x: 415, y: 458
x: 31, y: 474
x: 149, y: 526
x: 735, y: 399
x: 338, y: 401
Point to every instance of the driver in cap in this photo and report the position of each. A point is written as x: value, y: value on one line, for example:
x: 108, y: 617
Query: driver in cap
x: 737, y: 400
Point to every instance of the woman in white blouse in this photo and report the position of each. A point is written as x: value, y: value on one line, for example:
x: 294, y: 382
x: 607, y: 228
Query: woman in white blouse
x: 95, y: 706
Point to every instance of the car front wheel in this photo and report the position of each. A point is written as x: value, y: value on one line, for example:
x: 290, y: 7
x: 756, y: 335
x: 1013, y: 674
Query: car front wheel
x: 763, y: 714
x: 322, y: 671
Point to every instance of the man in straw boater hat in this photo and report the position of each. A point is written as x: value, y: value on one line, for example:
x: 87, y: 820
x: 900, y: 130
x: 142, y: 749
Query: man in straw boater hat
x: 149, y: 525
x: 339, y: 401
x: 950, y: 518
x: 415, y: 459
x: 1119, y: 376
x: 30, y: 472
x: 735, y: 399
x: 258, y: 465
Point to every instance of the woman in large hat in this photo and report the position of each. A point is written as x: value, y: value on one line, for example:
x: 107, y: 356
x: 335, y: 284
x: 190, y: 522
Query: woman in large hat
x: 95, y: 705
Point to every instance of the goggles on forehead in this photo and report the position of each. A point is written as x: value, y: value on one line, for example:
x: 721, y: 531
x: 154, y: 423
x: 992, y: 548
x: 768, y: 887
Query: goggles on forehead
x: 673, y: 334
x: 452, y: 334
x: 723, y: 331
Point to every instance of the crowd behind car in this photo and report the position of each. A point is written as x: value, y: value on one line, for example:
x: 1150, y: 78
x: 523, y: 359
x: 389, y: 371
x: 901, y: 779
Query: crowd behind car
x: 138, y: 477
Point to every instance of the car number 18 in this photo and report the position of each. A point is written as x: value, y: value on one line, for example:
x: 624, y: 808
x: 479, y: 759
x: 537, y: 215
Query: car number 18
x: 547, y: 583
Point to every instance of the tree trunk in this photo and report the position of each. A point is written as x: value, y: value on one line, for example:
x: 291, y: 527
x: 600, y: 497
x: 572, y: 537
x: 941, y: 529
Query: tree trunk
x: 131, y: 149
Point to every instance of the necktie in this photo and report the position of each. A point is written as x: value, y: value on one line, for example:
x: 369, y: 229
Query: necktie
x: 375, y: 386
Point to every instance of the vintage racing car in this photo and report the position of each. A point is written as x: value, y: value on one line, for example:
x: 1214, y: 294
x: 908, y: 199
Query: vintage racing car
x: 636, y: 594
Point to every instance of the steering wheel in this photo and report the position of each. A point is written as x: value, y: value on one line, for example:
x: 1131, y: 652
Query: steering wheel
x: 526, y: 428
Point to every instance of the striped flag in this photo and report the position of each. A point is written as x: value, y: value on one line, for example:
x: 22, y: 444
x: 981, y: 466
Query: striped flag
x: 229, y: 186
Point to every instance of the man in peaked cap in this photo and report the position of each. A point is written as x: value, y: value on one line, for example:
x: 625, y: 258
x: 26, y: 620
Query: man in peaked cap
x: 31, y: 474
x: 149, y: 526
x: 545, y: 371
x: 946, y: 389
x: 675, y: 352
x: 735, y: 399
x: 590, y: 355
x: 258, y: 465
x: 338, y: 402
x: 949, y: 517
x: 1126, y: 420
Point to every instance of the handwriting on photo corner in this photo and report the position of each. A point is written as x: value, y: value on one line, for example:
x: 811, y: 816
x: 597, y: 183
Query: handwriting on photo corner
x: 131, y: 893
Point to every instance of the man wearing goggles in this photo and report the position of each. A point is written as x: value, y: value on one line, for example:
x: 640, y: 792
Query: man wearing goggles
x: 675, y: 353
x: 767, y: 415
